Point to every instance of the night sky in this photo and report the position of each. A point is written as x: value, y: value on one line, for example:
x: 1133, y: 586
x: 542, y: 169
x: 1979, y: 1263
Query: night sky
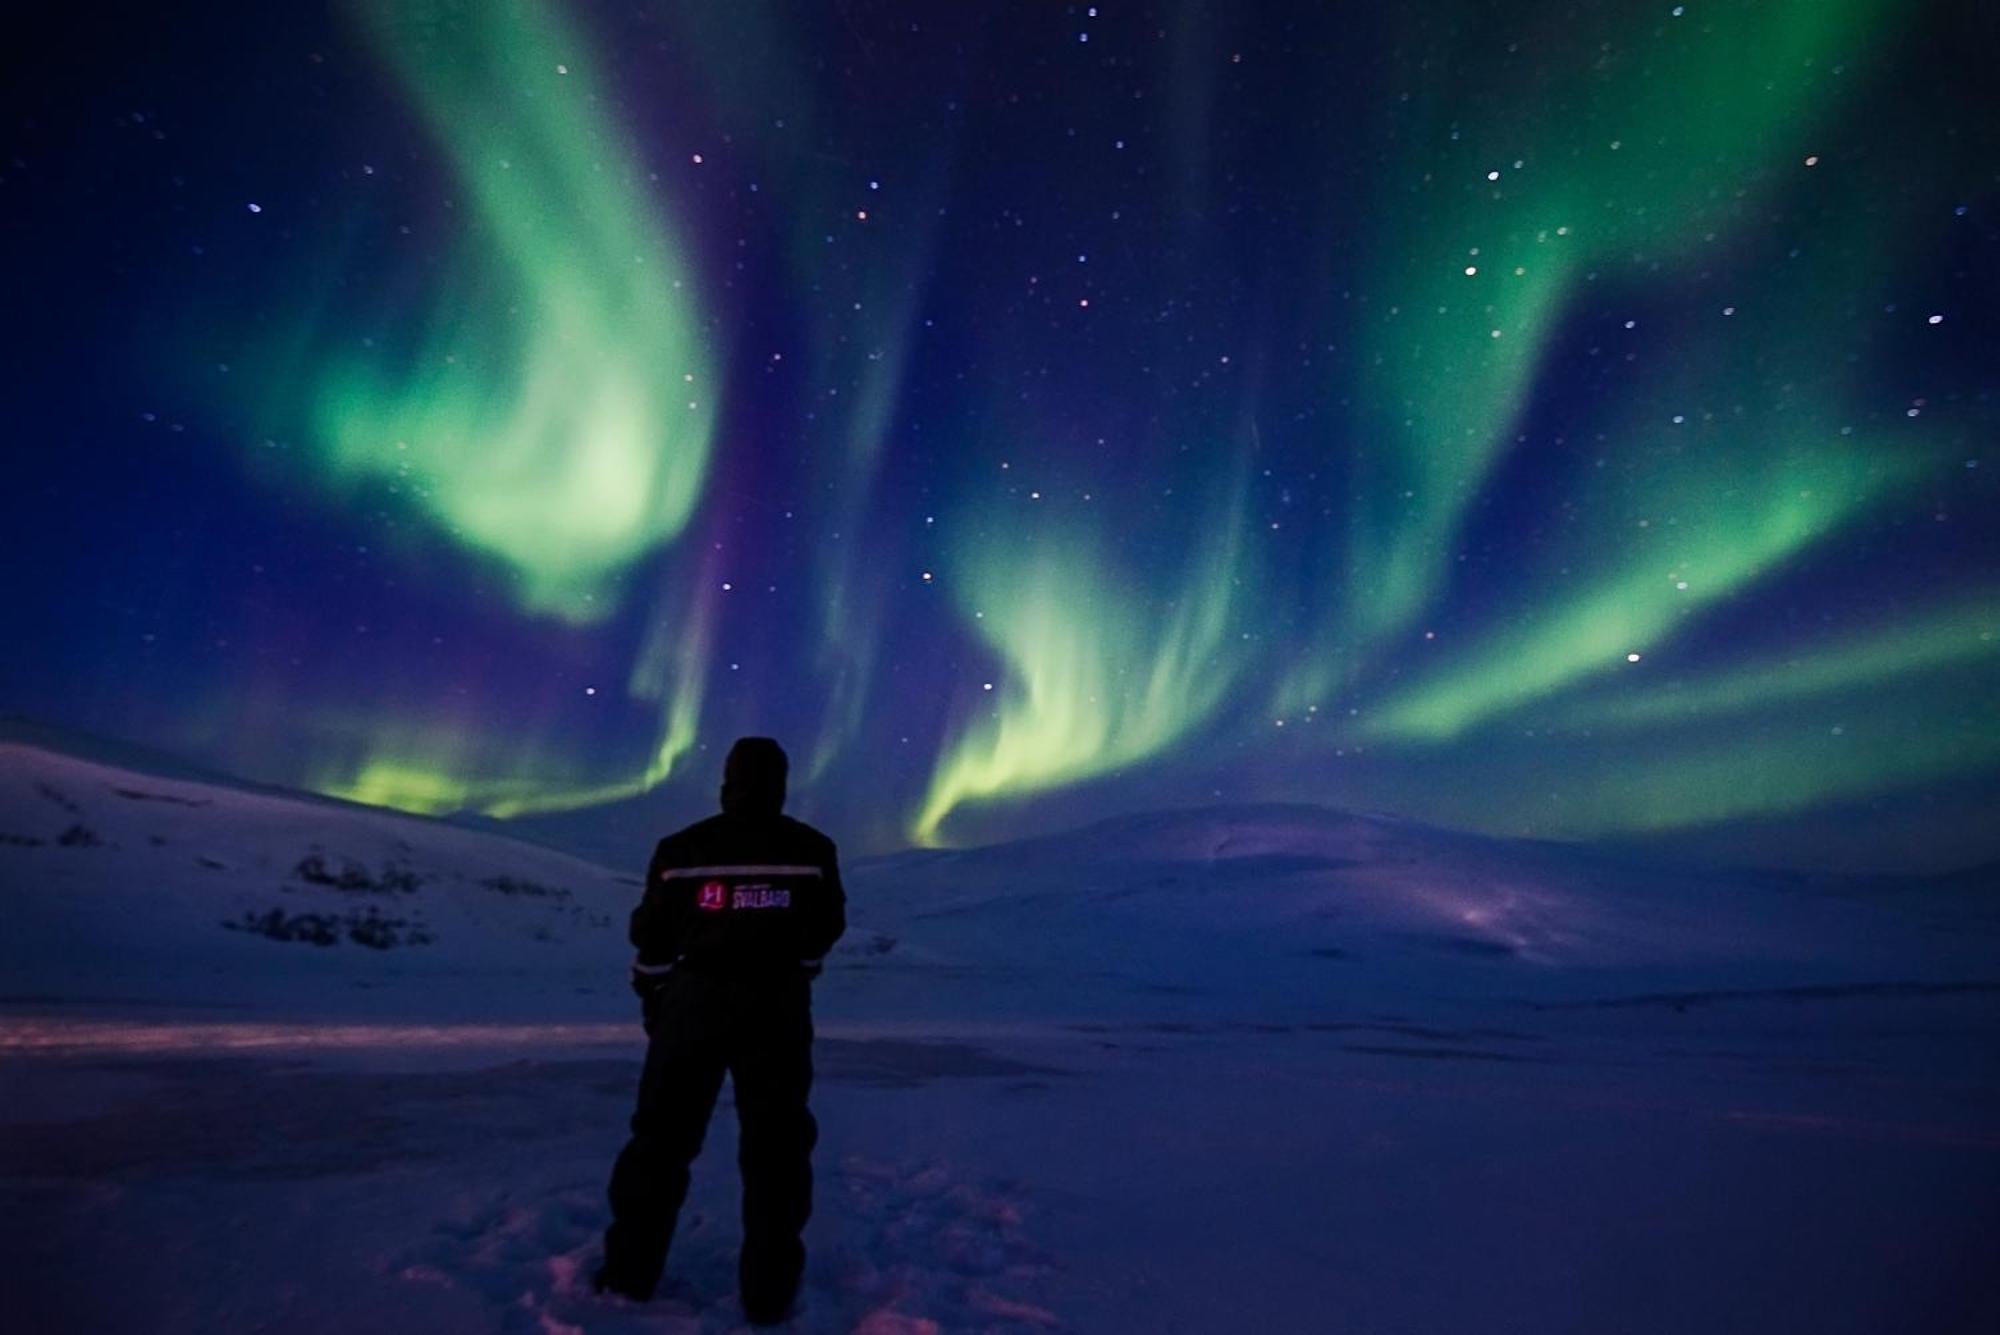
x: 1574, y: 419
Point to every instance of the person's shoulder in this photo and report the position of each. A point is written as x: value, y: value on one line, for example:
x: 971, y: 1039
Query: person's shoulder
x: 688, y: 837
x: 807, y: 837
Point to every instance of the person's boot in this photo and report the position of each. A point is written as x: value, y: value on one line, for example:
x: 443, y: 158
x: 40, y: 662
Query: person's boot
x: 610, y: 1279
x: 630, y: 1269
x: 768, y: 1277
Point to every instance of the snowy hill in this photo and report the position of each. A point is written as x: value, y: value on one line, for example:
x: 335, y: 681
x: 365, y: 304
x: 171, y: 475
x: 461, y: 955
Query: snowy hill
x: 117, y: 884
x: 1289, y: 905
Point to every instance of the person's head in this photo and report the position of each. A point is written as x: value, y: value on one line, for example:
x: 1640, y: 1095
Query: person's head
x: 753, y: 778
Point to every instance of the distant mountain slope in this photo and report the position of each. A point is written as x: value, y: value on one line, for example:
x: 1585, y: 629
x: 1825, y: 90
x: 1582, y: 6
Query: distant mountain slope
x: 123, y: 887
x: 136, y: 885
x: 1293, y: 899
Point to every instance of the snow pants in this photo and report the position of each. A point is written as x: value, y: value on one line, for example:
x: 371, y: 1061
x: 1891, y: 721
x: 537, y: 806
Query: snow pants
x: 759, y: 1030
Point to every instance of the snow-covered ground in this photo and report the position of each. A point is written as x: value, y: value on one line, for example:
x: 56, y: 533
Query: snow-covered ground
x: 276, y: 1063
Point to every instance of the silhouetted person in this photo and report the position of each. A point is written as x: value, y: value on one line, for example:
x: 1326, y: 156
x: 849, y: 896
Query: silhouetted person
x: 738, y: 912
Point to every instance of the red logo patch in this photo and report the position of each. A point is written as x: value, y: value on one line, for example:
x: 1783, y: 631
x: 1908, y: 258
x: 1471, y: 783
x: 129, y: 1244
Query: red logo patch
x: 714, y: 895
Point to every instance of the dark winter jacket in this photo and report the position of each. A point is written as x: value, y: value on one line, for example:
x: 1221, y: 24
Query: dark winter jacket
x: 748, y: 891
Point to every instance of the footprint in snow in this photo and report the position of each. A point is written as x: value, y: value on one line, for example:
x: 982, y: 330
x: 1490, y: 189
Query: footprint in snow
x: 895, y: 1249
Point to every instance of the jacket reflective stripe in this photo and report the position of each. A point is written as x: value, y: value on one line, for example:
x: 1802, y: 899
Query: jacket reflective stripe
x: 747, y: 869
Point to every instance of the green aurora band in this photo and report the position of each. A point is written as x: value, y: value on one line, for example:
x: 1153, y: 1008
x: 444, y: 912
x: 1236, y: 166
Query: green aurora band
x: 1697, y: 530
x: 1886, y: 740
x: 438, y: 771
x: 1641, y: 150
x: 1721, y: 473
x: 1964, y: 632
x: 557, y: 410
x: 1096, y: 680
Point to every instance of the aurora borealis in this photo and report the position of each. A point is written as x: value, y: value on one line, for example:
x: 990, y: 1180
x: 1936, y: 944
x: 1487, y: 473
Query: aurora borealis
x: 550, y: 410
x: 1574, y: 421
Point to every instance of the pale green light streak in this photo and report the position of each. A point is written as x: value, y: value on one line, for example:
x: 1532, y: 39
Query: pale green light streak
x: 430, y: 777
x: 850, y: 603
x: 1643, y: 149
x: 556, y: 410
x: 437, y: 771
x: 1095, y: 680
x: 1780, y: 767
x: 1965, y: 632
x: 1711, y: 527
x: 760, y: 64
x: 1867, y: 739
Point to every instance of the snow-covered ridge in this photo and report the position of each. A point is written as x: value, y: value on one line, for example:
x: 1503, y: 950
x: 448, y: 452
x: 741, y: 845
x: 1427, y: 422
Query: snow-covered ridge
x: 1283, y: 882
x: 123, y: 886
x: 131, y: 885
